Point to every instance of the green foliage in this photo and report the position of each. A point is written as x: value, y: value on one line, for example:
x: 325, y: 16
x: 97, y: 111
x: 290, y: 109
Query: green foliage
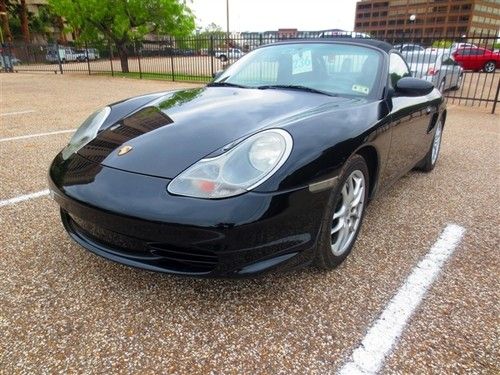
x: 43, y: 22
x: 212, y: 34
x: 123, y: 21
x: 442, y: 43
x: 39, y: 23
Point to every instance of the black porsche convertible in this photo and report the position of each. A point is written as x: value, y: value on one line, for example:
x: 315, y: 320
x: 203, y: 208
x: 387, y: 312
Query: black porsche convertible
x: 271, y: 165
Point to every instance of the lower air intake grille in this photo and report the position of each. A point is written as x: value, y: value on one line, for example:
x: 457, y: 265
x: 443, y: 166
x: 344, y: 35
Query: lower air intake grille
x: 188, y: 259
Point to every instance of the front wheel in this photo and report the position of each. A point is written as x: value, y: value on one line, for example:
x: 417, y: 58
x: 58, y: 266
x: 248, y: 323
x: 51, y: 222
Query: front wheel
x: 223, y: 58
x: 490, y: 67
x: 344, y: 214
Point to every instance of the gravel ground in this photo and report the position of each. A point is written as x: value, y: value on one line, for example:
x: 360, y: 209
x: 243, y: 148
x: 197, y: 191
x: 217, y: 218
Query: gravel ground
x: 64, y: 310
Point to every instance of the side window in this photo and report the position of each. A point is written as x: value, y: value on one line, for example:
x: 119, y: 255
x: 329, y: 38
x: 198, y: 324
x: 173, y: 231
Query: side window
x: 397, y: 69
x: 448, y: 60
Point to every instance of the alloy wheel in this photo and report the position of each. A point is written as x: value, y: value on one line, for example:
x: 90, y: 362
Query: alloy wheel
x: 436, y: 144
x: 490, y: 67
x: 441, y: 86
x: 348, y: 213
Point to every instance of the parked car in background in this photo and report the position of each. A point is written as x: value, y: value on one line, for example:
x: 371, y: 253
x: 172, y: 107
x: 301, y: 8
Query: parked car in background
x: 409, y: 48
x: 456, y: 46
x: 436, y: 67
x: 477, y: 59
x: 229, y: 54
x: 66, y: 54
x: 89, y: 53
x: 343, y: 34
x: 9, y: 62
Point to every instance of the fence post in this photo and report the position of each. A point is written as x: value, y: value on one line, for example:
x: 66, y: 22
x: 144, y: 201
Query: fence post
x: 260, y: 39
x: 59, y: 58
x: 496, y: 99
x: 111, y: 58
x: 211, y: 51
x: 4, y: 65
x: 87, y: 56
x: 172, y: 59
x: 138, y: 52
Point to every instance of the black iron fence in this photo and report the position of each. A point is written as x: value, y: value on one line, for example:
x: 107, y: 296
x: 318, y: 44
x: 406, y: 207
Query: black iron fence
x: 464, y: 67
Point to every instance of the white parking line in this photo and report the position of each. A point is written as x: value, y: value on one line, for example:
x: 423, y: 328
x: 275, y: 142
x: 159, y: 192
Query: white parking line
x: 36, y: 135
x: 22, y: 198
x: 369, y: 357
x: 17, y: 113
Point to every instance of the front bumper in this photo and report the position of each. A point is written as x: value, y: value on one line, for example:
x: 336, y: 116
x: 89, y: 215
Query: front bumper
x: 131, y: 219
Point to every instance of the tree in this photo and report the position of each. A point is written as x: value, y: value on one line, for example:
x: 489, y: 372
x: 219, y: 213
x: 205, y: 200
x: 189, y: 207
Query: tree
x: 124, y: 21
x: 23, y: 15
x: 44, y: 22
x: 442, y: 43
x: 5, y: 21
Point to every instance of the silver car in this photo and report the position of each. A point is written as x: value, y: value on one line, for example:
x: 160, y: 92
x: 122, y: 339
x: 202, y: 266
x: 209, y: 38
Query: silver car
x: 437, y: 67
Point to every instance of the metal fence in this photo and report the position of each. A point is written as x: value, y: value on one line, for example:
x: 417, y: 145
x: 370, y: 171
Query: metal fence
x: 467, y: 64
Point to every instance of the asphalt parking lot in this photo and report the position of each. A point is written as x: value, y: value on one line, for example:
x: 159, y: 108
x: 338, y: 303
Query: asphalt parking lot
x: 64, y: 310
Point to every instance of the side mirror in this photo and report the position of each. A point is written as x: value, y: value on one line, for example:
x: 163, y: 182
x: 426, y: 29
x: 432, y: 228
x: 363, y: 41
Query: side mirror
x: 410, y: 86
x: 217, y: 74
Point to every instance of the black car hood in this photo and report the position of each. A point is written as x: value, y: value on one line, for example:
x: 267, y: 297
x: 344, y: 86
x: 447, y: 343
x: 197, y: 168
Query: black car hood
x: 175, y: 130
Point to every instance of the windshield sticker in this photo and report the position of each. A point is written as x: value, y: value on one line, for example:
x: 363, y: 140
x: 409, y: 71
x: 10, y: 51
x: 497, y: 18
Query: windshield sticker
x: 302, y: 62
x: 361, y: 89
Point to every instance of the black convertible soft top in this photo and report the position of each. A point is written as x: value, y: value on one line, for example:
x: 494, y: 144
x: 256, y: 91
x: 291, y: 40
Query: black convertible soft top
x: 384, y: 46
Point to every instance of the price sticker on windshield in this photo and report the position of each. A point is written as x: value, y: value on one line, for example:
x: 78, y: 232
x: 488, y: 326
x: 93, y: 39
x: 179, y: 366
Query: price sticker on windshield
x: 360, y: 88
x: 302, y: 62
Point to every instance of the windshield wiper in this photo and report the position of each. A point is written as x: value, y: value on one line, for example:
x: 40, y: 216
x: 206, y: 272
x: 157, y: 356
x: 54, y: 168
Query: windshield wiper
x: 296, y: 87
x: 226, y: 84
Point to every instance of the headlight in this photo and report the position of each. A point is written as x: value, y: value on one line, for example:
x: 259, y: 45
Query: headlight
x: 86, y: 132
x: 240, y: 169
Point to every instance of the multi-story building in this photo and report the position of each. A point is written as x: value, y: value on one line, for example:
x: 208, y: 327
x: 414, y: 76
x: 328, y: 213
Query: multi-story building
x: 393, y: 18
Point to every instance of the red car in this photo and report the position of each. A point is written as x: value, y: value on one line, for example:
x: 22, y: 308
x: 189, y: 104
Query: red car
x: 476, y: 58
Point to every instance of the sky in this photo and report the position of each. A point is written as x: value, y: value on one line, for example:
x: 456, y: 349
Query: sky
x: 262, y: 15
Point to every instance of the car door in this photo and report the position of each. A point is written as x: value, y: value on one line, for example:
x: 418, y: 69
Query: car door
x: 410, y: 120
x: 478, y: 57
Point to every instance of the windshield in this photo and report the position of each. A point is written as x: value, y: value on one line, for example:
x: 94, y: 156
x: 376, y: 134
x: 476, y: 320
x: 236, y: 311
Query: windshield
x: 336, y: 69
x: 422, y: 58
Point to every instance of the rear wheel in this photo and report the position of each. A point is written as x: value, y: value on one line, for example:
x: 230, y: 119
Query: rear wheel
x: 344, y: 214
x: 223, y: 58
x: 490, y: 67
x: 442, y: 85
x: 431, y: 158
x: 459, y: 82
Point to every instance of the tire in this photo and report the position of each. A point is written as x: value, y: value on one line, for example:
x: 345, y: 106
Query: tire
x: 430, y: 160
x: 223, y: 58
x: 490, y: 67
x: 338, y: 234
x: 459, y: 83
x: 442, y: 86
